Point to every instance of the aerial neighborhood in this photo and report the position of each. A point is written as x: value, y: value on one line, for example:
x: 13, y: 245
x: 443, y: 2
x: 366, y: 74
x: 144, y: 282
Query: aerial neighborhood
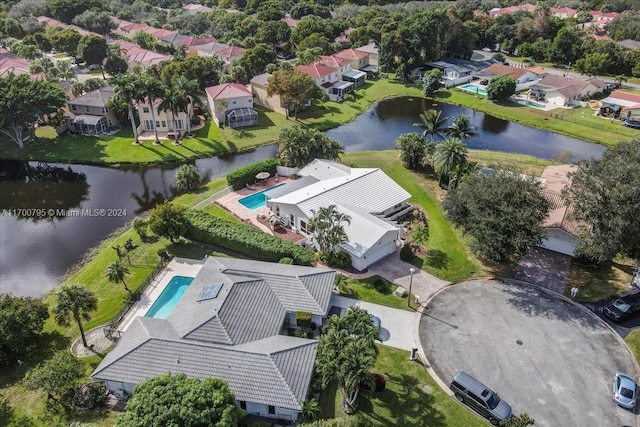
x: 319, y: 213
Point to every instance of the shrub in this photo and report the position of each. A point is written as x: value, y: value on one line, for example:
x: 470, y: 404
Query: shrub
x: 340, y: 259
x: 128, y: 245
x: 285, y: 260
x: 247, y: 175
x: 303, y: 319
x: 405, y: 253
x: 140, y: 226
x: 96, y: 396
x: 380, y: 285
x: 243, y: 239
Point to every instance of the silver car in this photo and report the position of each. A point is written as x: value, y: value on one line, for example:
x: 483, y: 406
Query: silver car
x: 624, y: 390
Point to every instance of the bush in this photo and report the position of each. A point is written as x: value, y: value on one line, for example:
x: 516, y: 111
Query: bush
x: 128, y: 245
x: 140, y: 226
x: 340, y: 259
x: 243, y: 239
x: 380, y: 285
x: 303, y: 319
x: 247, y: 175
x: 405, y: 253
x: 285, y: 260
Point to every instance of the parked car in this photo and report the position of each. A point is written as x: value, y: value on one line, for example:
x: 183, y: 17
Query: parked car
x: 78, y: 61
x: 487, y: 49
x: 622, y: 307
x: 95, y: 67
x: 479, y: 397
x: 484, y: 82
x: 624, y: 390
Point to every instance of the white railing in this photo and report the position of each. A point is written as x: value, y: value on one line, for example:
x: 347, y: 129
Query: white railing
x: 213, y: 197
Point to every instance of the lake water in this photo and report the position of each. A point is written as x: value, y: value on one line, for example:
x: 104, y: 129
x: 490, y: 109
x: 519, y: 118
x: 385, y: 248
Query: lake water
x: 35, y: 252
x: 378, y: 128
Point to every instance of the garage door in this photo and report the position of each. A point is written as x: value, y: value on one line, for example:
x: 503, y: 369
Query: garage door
x: 380, y: 253
x: 560, y: 241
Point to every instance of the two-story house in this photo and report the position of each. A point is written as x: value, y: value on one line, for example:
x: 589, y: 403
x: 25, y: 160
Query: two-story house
x: 231, y: 104
x: 164, y: 119
x: 89, y: 114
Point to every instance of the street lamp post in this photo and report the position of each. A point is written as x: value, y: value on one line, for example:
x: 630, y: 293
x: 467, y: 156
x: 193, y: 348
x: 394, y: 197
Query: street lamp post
x: 411, y: 270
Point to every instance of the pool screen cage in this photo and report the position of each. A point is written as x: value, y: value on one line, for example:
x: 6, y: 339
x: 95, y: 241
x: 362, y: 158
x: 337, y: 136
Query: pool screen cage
x: 242, y: 117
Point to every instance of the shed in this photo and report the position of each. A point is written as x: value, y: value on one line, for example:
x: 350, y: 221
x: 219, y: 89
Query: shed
x: 610, y: 110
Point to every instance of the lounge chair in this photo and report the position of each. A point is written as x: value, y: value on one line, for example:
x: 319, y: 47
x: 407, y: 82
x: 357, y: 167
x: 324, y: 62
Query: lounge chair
x: 277, y: 178
x: 250, y: 187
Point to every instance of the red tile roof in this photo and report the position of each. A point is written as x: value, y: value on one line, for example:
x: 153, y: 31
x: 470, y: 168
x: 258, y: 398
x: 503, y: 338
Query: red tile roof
x: 195, y: 41
x: 315, y: 70
x: 230, y: 51
x: 620, y: 94
x: 227, y: 90
x: 351, y: 54
x: 333, y: 61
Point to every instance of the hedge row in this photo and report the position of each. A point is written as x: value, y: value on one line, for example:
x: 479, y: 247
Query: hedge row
x: 239, y: 178
x: 244, y: 239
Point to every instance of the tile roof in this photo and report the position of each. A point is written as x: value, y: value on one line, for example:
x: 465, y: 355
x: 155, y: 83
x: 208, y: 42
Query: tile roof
x: 96, y: 98
x: 315, y: 70
x: 261, y: 80
x: 622, y: 98
x: 568, y: 86
x: 556, y: 179
x: 333, y: 61
x: 369, y: 48
x: 230, y: 51
x: 195, y: 41
x: 505, y: 70
x: 629, y: 43
x: 227, y: 91
x: 233, y: 336
x: 351, y: 54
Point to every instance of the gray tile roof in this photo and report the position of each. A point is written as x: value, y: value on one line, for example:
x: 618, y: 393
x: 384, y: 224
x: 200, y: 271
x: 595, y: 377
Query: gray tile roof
x: 280, y: 377
x: 97, y: 98
x: 233, y: 336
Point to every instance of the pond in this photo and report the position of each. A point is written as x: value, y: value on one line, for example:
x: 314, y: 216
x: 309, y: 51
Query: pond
x: 36, y: 251
x: 378, y: 128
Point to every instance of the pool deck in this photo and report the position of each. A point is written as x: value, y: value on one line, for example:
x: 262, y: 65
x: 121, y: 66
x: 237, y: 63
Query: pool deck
x: 176, y: 267
x: 230, y: 203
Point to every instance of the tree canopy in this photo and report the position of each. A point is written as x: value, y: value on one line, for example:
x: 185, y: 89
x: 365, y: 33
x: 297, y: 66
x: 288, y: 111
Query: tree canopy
x: 58, y: 376
x: 176, y: 400
x: 414, y: 149
x: 502, y: 211
x: 20, y: 326
x: 298, y: 146
x: 604, y: 195
x: 294, y: 87
x: 23, y: 101
x: 168, y: 220
x: 347, y: 353
x: 500, y: 88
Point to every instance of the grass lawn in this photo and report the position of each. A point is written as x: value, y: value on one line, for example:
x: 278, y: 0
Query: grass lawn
x: 564, y: 121
x: 447, y: 258
x: 265, y: 132
x: 411, y: 397
x: 367, y: 290
x: 633, y: 341
x: 528, y: 164
x: 596, y: 283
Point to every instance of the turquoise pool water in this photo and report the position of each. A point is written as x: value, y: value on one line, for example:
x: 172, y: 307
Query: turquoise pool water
x: 474, y: 89
x: 164, y: 305
x: 535, y: 105
x: 257, y: 200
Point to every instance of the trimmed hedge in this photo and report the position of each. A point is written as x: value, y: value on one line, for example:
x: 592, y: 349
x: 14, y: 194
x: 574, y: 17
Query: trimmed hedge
x: 244, y: 239
x: 303, y: 319
x: 239, y: 178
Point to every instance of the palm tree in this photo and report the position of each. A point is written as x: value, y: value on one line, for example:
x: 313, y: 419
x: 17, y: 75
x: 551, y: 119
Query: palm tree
x: 460, y: 127
x: 190, y: 90
x: 326, y: 226
x: 151, y: 89
x: 310, y: 409
x: 187, y: 178
x: 307, y: 56
x: 74, y: 301
x: 449, y: 155
x: 64, y: 71
x: 129, y: 90
x: 461, y: 171
x: 432, y: 123
x: 173, y: 101
x: 116, y: 273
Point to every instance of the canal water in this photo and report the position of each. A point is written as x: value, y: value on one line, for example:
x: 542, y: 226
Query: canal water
x: 36, y: 249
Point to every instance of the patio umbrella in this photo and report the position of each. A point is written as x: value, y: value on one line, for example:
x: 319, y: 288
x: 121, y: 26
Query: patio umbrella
x: 263, y: 175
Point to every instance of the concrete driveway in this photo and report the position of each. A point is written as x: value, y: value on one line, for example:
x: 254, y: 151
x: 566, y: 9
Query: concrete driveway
x: 544, y: 268
x: 397, y: 327
x: 544, y: 355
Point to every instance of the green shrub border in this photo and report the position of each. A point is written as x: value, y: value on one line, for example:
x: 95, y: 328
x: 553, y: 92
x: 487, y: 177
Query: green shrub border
x: 239, y: 178
x: 303, y: 319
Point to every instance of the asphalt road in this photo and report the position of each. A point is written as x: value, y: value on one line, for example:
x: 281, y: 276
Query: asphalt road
x: 544, y: 355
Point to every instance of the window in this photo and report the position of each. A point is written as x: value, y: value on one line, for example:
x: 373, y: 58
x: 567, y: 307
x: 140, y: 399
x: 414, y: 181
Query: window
x: 105, y: 110
x: 145, y: 109
x: 179, y: 125
x: 303, y: 226
x: 148, y: 124
x: 157, y: 123
x: 164, y: 124
x: 86, y: 109
x: 233, y: 102
x: 243, y: 405
x: 74, y: 107
x: 272, y: 409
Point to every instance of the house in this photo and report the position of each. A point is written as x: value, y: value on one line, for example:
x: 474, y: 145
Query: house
x: 372, y: 50
x: 137, y: 56
x: 228, y: 325
x: 327, y: 78
x: 259, y: 90
x: 231, y: 104
x: 345, y: 72
x: 457, y: 71
x: 164, y: 120
x: 629, y: 102
x: 196, y: 8
x: 229, y: 53
x: 89, y: 114
x: 10, y: 63
x: 512, y: 9
x: 562, y: 231
x: 609, y: 110
x: 208, y: 49
x: 369, y: 197
x: 358, y: 58
x: 524, y: 77
x: 562, y: 12
x: 629, y: 44
x: 190, y: 44
x: 565, y: 91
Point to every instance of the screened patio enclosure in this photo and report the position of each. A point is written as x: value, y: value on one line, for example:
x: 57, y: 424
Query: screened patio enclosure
x: 242, y: 117
x: 87, y: 125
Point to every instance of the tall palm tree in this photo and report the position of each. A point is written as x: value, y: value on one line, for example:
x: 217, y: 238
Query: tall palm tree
x: 449, y: 155
x: 129, y: 90
x: 307, y: 56
x: 432, y: 123
x: 74, y: 301
x: 189, y: 90
x: 172, y: 100
x: 116, y: 273
x: 460, y: 127
x: 327, y: 228
x: 152, y: 89
x: 63, y: 71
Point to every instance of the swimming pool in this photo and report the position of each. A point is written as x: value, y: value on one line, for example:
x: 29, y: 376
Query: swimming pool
x: 535, y: 105
x: 474, y: 89
x: 256, y: 200
x: 168, y: 299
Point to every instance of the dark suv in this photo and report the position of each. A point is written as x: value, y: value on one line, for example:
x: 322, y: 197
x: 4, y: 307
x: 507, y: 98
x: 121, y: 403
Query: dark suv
x: 472, y: 392
x: 622, y: 307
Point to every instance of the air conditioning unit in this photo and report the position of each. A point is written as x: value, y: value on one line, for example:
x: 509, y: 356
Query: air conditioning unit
x: 295, y: 230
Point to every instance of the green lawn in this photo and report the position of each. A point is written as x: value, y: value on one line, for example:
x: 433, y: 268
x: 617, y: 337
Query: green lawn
x: 596, y: 283
x: 633, y: 341
x: 447, y: 258
x: 564, y: 121
x: 366, y: 290
x: 411, y: 397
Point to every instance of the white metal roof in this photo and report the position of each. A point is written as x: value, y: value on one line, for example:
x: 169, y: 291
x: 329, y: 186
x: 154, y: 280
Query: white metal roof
x: 364, y: 231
